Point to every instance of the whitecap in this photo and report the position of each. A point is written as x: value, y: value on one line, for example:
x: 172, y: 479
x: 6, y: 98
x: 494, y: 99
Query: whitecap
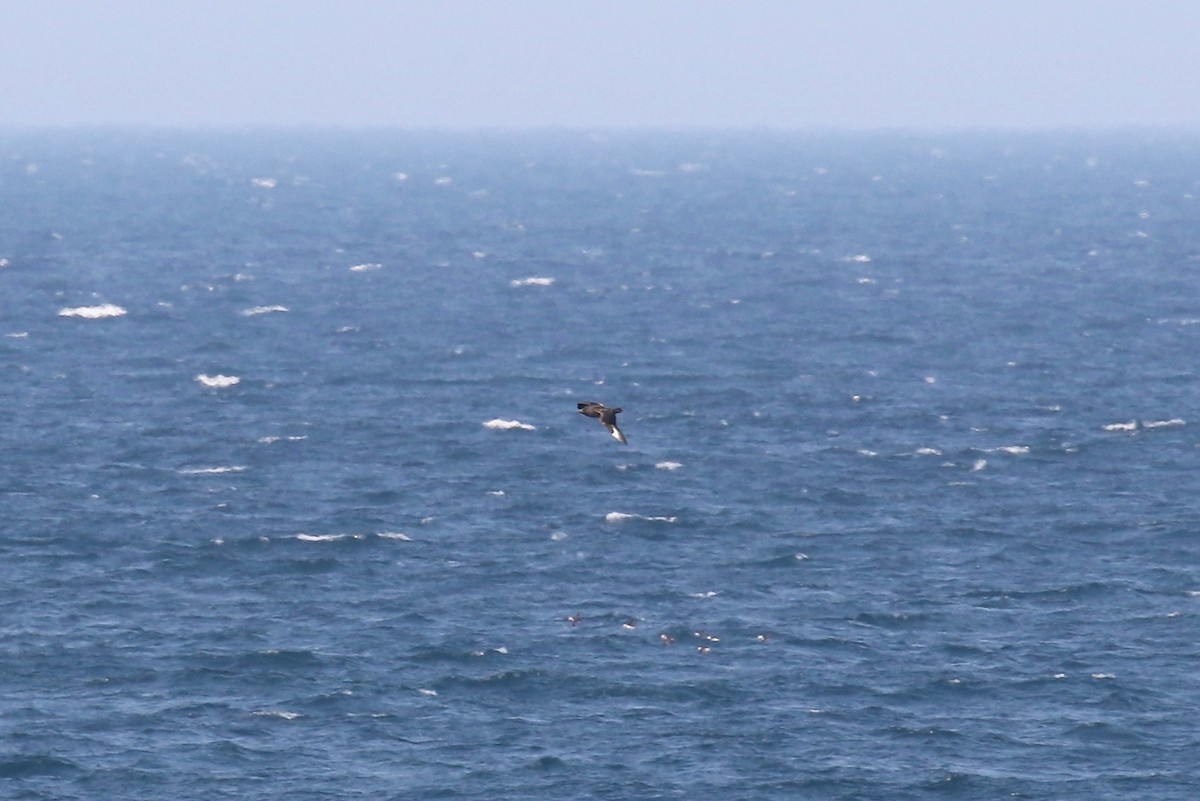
x: 211, y: 471
x: 263, y: 310
x: 264, y: 183
x: 531, y: 281
x: 1163, y: 423
x: 94, y: 312
x: 327, y: 537
x: 1130, y: 426
x: 928, y: 452
x: 218, y: 381
x: 504, y: 425
x: 620, y: 517
x: 1015, y: 450
x: 393, y: 535
x: 503, y: 650
x: 669, y: 465
x: 365, y: 268
x: 277, y: 713
x: 860, y: 258
x: 18, y: 335
x: 980, y: 464
x: 427, y: 691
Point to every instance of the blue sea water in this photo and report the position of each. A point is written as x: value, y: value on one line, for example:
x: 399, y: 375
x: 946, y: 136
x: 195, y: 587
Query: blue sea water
x: 296, y: 503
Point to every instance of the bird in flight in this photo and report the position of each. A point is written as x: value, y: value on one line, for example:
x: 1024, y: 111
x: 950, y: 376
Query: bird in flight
x: 607, y: 416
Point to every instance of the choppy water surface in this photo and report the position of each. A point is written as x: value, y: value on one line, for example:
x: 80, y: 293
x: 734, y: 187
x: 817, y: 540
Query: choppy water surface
x: 296, y: 502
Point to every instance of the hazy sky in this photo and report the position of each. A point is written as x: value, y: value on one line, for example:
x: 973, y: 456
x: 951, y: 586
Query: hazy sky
x: 610, y: 63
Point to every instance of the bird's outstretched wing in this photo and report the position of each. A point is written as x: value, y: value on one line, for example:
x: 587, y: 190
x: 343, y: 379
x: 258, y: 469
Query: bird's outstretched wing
x: 607, y: 417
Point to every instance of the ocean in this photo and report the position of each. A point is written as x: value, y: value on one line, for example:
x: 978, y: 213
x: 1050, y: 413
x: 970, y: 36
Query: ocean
x: 297, y: 502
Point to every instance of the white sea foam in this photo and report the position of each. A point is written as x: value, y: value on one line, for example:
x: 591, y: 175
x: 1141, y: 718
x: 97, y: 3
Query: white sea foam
x: 504, y: 425
x: 366, y: 268
x: 393, y: 535
x: 211, y: 471
x: 1163, y: 423
x: 269, y: 440
x: 482, y: 652
x: 980, y: 464
x: 18, y: 335
x: 277, y: 713
x: 217, y: 381
x: 532, y: 281
x: 669, y: 465
x: 928, y: 452
x: 1015, y: 450
x: 427, y: 691
x: 860, y: 258
x: 264, y: 183
x: 621, y: 517
x: 94, y: 312
x: 263, y: 310
x: 327, y: 537
x: 1130, y: 426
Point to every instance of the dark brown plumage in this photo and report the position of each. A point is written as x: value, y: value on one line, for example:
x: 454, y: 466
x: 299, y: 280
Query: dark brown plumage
x: 607, y: 416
